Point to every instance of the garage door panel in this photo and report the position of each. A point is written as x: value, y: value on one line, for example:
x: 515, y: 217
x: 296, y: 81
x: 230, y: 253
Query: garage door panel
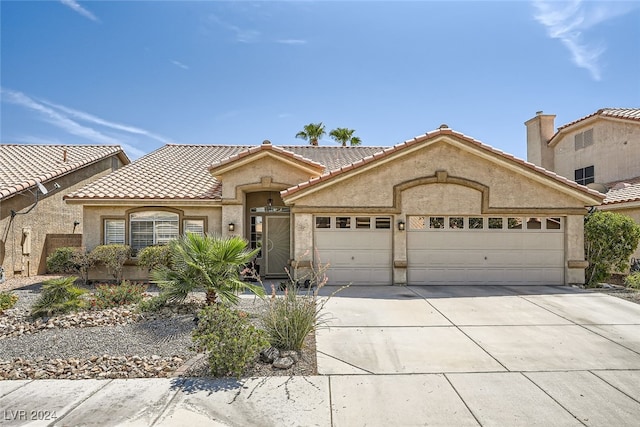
x: 485, y: 256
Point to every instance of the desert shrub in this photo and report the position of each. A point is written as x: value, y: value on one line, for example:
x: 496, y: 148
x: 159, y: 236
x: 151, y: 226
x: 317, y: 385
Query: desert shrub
x: 152, y: 304
x: 610, y: 239
x: 58, y: 296
x: 229, y: 338
x: 61, y: 261
x: 633, y: 280
x: 7, y: 300
x: 126, y: 293
x: 113, y: 257
x: 155, y: 257
x: 68, y: 260
x: 297, y: 313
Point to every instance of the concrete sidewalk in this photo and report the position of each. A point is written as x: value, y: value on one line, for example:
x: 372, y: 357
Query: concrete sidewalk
x: 399, y: 356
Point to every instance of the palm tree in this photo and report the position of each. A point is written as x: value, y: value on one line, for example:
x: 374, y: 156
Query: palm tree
x: 209, y: 263
x: 344, y: 135
x: 313, y: 132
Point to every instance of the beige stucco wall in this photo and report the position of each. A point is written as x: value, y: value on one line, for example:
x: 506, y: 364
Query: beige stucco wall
x: 614, y: 152
x: 471, y: 185
x: 50, y: 216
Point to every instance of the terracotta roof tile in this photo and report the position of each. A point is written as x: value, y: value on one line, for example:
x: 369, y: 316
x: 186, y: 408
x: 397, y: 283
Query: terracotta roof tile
x: 266, y: 147
x: 431, y: 135
x: 621, y: 113
x: 182, y: 171
x: 23, y: 165
x: 623, y: 191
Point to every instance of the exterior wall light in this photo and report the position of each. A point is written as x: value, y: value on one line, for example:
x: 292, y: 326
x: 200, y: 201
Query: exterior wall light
x: 401, y: 225
x: 232, y: 227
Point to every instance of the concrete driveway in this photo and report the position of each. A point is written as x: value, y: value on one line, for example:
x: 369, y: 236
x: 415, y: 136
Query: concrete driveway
x: 398, y: 356
x: 481, y: 355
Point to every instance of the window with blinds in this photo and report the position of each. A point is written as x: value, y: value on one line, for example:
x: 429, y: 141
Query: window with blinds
x: 114, y: 231
x: 195, y: 226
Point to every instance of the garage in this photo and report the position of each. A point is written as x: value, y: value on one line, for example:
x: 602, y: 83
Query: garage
x: 485, y: 250
x: 357, y: 248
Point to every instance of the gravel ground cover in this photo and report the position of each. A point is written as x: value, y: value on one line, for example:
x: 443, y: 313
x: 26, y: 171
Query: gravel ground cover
x: 114, y: 343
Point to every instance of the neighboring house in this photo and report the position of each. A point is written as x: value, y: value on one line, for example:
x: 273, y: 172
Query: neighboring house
x: 441, y: 208
x: 34, y: 219
x: 601, y: 150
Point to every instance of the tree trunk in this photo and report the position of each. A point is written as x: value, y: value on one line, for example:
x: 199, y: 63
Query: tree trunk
x: 210, y: 297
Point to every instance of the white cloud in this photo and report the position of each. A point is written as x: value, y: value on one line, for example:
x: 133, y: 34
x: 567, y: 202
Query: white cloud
x: 179, y: 64
x: 291, y: 41
x: 569, y: 21
x: 242, y: 35
x: 80, y: 123
x: 74, y: 5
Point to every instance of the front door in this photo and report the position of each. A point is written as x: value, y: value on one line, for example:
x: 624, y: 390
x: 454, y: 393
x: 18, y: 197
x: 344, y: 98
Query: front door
x: 277, y: 245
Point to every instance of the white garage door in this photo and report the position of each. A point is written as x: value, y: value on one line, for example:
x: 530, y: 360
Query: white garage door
x: 457, y: 250
x: 357, y: 248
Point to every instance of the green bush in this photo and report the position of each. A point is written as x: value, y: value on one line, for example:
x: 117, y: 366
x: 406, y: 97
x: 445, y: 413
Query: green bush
x: 155, y: 257
x: 633, y: 280
x: 610, y: 239
x: 230, y: 339
x: 126, y: 293
x: 68, y: 260
x: 152, y: 304
x: 58, y: 296
x: 61, y: 261
x: 7, y: 300
x: 113, y: 257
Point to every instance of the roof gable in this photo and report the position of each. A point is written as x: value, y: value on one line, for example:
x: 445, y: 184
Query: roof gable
x: 451, y: 137
x: 627, y: 114
x: 265, y: 150
x: 24, y: 165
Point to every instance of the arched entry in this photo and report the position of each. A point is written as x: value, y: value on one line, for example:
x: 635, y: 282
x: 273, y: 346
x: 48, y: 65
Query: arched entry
x: 269, y: 228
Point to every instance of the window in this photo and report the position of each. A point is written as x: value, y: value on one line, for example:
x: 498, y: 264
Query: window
x: 152, y: 228
x: 383, y: 223
x: 195, y: 226
x: 114, y: 231
x: 456, y: 222
x: 476, y: 223
x: 585, y: 176
x: 323, y: 222
x: 416, y: 223
x: 583, y: 139
x: 363, y: 222
x: 495, y: 223
x: 343, y: 222
x: 554, y: 223
x: 534, y: 224
x: 514, y: 223
x: 436, y: 222
x: 256, y: 234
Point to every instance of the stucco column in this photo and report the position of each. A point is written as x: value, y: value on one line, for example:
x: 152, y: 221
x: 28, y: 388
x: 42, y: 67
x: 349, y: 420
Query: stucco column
x: 232, y: 214
x: 574, y: 249
x: 399, y: 252
x: 303, y: 249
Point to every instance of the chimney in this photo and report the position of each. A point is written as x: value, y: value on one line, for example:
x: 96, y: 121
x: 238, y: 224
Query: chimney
x: 64, y: 155
x: 540, y: 130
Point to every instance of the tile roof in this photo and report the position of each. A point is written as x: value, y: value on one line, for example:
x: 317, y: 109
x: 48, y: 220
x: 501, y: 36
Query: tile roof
x: 182, y: 171
x: 432, y: 135
x: 265, y: 147
x: 623, y: 191
x: 620, y: 113
x: 23, y: 165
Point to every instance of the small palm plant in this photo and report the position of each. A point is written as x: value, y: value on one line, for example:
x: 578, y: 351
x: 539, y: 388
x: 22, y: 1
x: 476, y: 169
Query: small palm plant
x: 209, y: 263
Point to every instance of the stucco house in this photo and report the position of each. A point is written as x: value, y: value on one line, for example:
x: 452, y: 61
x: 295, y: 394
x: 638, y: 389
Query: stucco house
x: 34, y: 219
x: 442, y: 208
x: 600, y: 150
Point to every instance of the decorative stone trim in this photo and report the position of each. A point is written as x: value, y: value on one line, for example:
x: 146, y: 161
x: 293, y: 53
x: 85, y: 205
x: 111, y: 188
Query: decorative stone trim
x: 576, y: 263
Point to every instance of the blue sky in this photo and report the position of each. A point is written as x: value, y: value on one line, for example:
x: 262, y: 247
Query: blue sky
x: 142, y: 74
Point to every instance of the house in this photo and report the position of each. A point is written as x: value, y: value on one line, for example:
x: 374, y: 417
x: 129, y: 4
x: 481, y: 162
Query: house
x: 442, y: 208
x: 601, y: 150
x: 34, y: 219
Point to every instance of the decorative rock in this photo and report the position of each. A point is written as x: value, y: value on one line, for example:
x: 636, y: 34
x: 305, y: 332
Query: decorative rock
x: 292, y: 354
x: 283, y: 363
x: 270, y: 354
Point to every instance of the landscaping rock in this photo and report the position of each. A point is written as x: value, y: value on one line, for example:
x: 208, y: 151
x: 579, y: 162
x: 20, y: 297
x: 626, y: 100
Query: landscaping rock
x: 283, y: 363
x: 270, y: 354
